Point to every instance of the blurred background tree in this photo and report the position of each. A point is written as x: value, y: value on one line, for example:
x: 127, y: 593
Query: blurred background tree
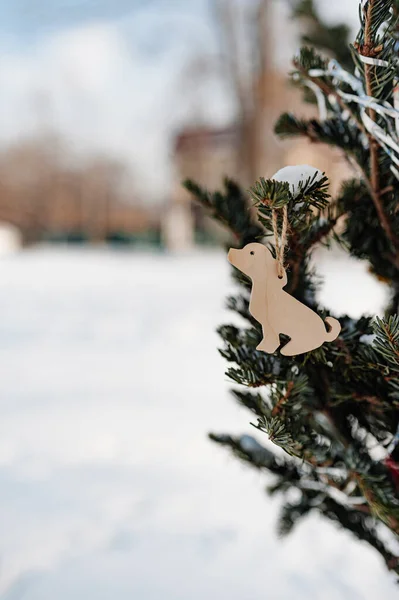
x: 50, y: 195
x: 329, y: 38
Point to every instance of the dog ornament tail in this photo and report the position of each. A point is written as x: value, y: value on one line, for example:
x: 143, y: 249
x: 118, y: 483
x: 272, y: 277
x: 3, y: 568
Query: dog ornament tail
x: 335, y: 328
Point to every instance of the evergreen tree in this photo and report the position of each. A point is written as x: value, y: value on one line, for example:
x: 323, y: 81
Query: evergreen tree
x: 333, y: 411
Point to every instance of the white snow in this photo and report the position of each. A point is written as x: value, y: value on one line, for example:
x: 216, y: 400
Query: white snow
x: 296, y: 175
x: 109, y: 488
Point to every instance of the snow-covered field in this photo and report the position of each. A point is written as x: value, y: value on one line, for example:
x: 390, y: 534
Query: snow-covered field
x: 109, y: 488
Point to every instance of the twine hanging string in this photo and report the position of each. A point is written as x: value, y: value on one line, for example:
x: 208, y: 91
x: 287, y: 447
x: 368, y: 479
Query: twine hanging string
x: 280, y: 241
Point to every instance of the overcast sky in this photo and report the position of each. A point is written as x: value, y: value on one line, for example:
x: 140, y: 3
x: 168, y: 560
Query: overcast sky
x: 112, y: 75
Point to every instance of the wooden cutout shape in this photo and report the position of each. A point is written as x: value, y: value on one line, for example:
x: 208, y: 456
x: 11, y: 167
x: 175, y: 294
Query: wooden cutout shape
x: 277, y: 311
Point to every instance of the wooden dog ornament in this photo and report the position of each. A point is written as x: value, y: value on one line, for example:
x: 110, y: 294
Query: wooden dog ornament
x: 277, y: 311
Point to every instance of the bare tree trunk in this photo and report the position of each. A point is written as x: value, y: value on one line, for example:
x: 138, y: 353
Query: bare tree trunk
x: 247, y: 84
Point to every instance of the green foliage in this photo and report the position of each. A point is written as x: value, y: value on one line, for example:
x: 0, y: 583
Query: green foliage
x: 275, y: 193
x: 329, y: 410
x: 387, y: 339
x: 334, y: 132
x: 383, y: 48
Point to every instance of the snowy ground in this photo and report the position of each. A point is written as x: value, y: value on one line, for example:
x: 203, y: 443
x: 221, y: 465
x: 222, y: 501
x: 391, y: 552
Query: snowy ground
x: 109, y: 489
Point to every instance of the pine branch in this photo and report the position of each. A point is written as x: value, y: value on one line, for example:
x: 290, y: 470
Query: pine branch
x: 230, y: 208
x: 375, y: 41
x: 304, y: 63
x: 375, y: 193
x: 271, y: 193
x: 310, y: 214
x: 375, y: 13
x: 387, y: 339
x: 355, y: 518
x: 359, y: 524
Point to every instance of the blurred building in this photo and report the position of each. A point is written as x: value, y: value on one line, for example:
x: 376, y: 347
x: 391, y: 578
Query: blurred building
x: 205, y: 155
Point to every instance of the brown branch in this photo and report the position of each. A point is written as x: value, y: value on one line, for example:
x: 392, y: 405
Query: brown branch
x: 368, y: 49
x: 375, y: 507
x: 393, y: 258
x: 279, y: 405
x: 330, y: 91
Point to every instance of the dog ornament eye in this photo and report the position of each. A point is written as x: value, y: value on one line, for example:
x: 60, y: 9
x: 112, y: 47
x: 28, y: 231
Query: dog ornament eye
x: 252, y: 252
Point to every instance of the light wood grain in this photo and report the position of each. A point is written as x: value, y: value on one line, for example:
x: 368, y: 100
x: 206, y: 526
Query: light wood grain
x: 277, y: 311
